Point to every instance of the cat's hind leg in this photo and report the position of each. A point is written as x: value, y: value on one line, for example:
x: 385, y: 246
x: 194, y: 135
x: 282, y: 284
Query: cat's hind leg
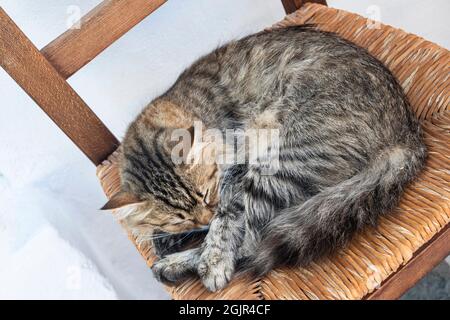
x: 266, y: 194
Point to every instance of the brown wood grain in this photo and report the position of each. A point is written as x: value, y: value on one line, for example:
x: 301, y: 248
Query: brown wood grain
x: 31, y: 70
x: 293, y: 5
x: 424, y: 260
x: 98, y: 29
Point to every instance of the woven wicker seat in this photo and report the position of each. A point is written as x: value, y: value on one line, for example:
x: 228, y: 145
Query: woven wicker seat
x: 405, y: 245
x: 422, y: 69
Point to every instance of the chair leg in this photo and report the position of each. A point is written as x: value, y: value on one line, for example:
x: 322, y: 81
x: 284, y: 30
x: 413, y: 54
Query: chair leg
x: 293, y: 5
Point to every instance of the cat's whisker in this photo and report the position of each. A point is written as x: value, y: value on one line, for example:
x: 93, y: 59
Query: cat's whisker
x: 176, y: 242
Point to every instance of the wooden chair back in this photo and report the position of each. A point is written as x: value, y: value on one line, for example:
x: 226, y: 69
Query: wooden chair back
x: 43, y: 74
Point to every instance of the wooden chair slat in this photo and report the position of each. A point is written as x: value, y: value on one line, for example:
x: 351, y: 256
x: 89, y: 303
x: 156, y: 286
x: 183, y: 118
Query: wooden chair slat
x: 293, y: 5
x: 98, y: 30
x: 31, y: 70
x: 424, y: 260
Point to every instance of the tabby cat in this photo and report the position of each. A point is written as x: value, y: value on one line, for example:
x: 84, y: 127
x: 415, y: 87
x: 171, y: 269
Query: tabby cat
x: 348, y: 145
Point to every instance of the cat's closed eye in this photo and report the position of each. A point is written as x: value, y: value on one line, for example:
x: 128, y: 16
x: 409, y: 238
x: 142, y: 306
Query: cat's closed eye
x: 181, y: 216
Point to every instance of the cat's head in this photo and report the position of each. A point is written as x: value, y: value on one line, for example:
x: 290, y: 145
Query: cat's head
x: 160, y: 192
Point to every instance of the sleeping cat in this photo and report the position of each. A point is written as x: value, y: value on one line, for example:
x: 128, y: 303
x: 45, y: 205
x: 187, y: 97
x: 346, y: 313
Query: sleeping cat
x: 347, y: 146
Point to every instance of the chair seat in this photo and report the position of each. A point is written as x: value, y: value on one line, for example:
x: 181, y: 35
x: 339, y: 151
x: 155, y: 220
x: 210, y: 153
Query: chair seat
x: 421, y: 67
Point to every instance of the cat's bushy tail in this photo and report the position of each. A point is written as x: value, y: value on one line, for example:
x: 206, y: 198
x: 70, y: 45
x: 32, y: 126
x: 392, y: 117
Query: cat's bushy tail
x: 329, y: 219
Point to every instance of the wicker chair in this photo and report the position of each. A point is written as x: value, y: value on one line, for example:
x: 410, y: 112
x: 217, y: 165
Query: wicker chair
x: 380, y: 263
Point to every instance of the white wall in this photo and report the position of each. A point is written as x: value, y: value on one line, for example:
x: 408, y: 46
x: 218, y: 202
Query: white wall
x: 426, y: 18
x: 44, y: 180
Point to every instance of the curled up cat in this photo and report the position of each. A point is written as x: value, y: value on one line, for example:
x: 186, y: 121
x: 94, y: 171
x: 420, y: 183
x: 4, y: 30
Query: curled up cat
x: 345, y: 145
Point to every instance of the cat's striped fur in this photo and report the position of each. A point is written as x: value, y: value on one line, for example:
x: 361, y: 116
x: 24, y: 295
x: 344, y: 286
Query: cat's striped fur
x: 349, y: 145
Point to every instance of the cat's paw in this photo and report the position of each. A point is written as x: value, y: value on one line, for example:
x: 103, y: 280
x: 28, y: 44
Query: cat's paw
x: 215, y: 269
x: 169, y: 270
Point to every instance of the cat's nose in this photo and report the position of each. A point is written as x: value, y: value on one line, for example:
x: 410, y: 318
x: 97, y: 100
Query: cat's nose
x: 205, y: 216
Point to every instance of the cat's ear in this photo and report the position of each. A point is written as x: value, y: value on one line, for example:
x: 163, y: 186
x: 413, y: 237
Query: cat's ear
x: 180, y: 144
x: 191, y: 131
x: 194, y: 150
x: 206, y: 147
x: 121, y: 199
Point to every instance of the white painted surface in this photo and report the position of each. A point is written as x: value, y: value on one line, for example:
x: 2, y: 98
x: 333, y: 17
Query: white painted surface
x: 49, y: 195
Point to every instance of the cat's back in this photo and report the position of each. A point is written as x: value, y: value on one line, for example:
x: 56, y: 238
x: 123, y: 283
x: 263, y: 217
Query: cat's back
x: 311, y: 68
x: 301, y: 70
x: 282, y: 55
x: 320, y: 87
x: 287, y: 56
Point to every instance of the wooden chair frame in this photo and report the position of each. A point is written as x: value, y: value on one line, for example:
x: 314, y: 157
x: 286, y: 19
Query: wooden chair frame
x: 42, y: 75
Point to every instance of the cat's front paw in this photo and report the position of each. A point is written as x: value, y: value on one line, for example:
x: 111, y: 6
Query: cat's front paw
x: 215, y: 269
x: 169, y: 270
